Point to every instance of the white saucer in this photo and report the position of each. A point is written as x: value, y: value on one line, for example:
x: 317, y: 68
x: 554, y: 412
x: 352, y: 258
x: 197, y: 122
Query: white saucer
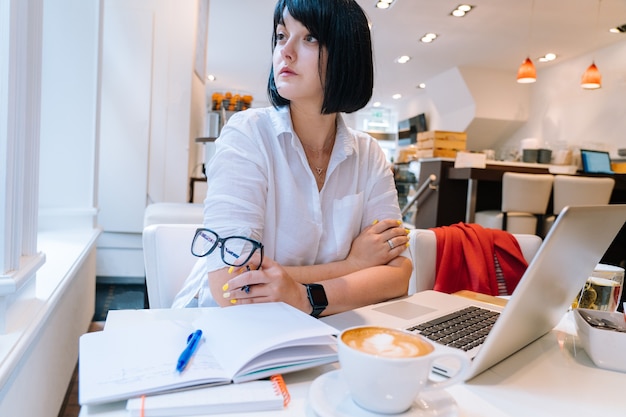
x: 329, y: 397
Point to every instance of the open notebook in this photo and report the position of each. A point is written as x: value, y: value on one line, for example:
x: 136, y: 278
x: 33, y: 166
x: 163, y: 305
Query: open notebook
x: 568, y: 255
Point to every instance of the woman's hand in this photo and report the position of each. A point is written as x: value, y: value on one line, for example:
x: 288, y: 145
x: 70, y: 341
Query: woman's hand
x: 269, y: 283
x: 378, y: 244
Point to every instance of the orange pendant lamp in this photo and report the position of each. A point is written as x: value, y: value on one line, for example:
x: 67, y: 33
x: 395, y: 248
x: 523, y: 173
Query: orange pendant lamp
x: 591, y: 78
x: 527, y: 73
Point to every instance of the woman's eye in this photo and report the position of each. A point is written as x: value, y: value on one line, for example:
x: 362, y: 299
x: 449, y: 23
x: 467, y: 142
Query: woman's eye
x: 310, y: 38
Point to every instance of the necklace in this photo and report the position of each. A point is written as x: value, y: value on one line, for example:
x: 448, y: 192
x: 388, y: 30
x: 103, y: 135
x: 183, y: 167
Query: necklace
x: 319, y: 171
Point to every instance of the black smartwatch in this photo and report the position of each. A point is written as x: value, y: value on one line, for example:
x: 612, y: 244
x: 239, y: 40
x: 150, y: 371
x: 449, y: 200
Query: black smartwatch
x: 317, y: 298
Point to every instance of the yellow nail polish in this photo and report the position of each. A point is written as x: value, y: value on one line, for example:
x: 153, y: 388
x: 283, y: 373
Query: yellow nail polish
x: 399, y: 222
x: 231, y: 269
x: 408, y: 244
x: 225, y: 287
x: 226, y: 295
x: 374, y: 222
x: 407, y: 231
x: 233, y: 301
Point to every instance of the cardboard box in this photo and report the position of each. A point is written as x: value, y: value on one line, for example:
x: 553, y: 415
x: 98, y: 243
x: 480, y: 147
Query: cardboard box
x: 439, y: 143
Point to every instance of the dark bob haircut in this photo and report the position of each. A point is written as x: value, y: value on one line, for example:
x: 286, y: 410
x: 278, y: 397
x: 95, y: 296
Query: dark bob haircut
x: 342, y: 28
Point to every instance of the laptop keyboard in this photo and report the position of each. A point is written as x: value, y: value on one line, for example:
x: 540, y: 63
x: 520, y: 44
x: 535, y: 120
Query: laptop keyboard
x: 464, y: 329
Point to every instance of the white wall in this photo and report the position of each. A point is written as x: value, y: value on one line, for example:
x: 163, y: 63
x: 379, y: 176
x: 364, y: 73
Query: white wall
x: 497, y: 112
x: 152, y: 107
x: 561, y: 111
x: 69, y: 105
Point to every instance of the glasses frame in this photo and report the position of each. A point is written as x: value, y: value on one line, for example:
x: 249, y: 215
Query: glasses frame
x: 221, y: 242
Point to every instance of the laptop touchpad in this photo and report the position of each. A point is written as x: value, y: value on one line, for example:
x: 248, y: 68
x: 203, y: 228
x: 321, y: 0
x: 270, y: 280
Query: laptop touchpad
x: 404, y: 310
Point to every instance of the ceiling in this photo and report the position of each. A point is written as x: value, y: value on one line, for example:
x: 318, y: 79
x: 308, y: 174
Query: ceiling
x: 497, y: 34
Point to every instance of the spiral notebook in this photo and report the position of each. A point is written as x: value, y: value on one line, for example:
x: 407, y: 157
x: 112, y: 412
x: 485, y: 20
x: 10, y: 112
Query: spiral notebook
x: 270, y: 394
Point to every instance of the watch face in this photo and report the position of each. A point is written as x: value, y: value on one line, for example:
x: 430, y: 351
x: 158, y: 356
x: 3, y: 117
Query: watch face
x: 317, y: 295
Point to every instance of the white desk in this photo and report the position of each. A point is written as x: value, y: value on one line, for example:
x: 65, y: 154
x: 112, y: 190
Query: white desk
x: 551, y: 377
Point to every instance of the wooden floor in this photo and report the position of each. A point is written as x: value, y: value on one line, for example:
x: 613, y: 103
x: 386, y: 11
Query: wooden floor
x: 70, y: 407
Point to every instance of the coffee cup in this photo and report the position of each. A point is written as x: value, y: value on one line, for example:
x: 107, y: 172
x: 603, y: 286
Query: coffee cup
x: 385, y: 369
x: 603, y: 289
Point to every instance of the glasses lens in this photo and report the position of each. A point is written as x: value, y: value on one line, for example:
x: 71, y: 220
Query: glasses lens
x: 203, y: 243
x: 237, y: 251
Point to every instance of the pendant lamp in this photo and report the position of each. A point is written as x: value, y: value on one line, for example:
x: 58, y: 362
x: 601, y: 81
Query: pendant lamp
x: 527, y: 73
x: 591, y: 78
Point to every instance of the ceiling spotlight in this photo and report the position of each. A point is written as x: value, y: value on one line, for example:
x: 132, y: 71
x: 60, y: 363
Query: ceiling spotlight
x: 618, y: 29
x: 396, y: 96
x: 461, y: 10
x: 384, y: 4
x: 428, y: 38
x: 403, y: 59
x: 421, y: 86
x: 376, y: 104
x: 547, y: 57
x: 210, y: 77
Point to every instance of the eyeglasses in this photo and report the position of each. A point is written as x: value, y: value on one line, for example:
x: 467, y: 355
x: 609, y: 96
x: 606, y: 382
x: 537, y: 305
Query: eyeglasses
x: 235, y: 250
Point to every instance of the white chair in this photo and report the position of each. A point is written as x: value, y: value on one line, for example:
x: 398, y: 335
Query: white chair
x: 423, y: 245
x: 173, y: 213
x: 168, y: 260
x: 525, y: 199
x: 576, y: 190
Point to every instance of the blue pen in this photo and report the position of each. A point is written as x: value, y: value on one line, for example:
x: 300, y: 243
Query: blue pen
x: 192, y: 344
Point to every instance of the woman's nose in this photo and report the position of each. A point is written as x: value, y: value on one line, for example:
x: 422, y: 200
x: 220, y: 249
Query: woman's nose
x: 288, y: 52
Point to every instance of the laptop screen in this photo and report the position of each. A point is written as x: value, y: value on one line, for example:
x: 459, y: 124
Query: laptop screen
x: 596, y: 161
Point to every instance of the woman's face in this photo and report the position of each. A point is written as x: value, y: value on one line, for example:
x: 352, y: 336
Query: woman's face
x: 296, y: 62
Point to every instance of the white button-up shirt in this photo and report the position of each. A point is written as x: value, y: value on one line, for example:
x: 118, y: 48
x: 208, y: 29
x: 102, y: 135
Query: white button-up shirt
x: 260, y: 186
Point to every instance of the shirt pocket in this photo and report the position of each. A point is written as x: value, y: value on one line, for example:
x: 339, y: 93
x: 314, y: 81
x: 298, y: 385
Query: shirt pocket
x: 347, y: 219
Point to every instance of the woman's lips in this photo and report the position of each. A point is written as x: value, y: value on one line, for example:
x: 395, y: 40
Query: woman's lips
x: 286, y: 71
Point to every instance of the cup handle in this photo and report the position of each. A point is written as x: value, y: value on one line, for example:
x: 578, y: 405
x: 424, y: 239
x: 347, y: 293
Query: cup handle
x: 459, y: 376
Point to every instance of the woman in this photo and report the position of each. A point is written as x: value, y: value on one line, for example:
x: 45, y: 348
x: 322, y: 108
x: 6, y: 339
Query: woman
x: 318, y: 195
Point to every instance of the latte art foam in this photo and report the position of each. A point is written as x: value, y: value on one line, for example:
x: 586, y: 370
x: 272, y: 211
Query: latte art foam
x: 386, y: 342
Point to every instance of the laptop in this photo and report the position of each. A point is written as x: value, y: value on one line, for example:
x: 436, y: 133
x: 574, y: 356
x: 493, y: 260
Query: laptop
x: 596, y: 162
x: 569, y: 253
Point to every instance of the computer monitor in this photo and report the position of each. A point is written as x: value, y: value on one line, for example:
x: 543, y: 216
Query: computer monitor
x: 596, y: 162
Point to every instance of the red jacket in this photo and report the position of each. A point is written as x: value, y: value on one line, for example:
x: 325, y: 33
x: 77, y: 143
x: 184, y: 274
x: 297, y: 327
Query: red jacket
x: 466, y: 260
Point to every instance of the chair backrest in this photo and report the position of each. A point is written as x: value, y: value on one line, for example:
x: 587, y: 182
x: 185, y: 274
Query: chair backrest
x: 528, y: 193
x: 168, y: 260
x: 570, y: 190
x: 423, y: 245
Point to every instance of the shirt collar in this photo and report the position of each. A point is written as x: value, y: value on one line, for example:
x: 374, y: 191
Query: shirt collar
x: 281, y: 119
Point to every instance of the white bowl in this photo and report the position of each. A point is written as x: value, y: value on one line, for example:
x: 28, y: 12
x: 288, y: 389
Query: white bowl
x: 605, y: 347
